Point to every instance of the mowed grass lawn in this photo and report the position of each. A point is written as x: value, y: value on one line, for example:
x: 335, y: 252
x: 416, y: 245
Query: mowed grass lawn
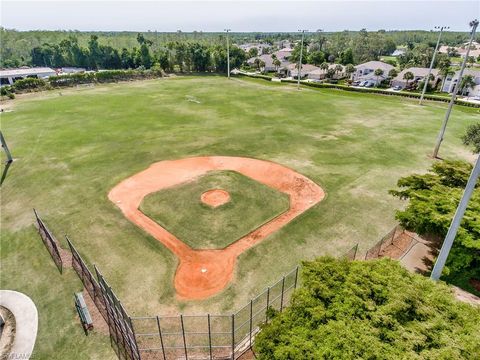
x: 72, y: 146
x: 180, y: 210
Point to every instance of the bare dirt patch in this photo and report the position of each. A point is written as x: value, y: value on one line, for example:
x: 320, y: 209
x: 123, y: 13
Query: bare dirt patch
x: 203, y: 273
x: 215, y: 197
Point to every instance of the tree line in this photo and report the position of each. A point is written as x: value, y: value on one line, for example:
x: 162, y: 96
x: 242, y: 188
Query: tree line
x: 122, y: 50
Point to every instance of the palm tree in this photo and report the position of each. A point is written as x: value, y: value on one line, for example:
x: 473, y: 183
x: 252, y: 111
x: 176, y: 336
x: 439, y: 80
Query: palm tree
x: 467, y: 82
x: 276, y: 63
x: 392, y: 73
x: 257, y: 62
x: 261, y: 65
x: 444, y: 72
x: 408, y: 76
x: 338, y: 68
x: 324, y: 66
x: 350, y: 69
x: 378, y: 73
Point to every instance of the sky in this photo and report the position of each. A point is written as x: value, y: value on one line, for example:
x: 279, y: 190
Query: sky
x: 239, y: 16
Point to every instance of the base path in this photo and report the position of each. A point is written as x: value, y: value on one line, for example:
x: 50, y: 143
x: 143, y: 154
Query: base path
x: 203, y: 273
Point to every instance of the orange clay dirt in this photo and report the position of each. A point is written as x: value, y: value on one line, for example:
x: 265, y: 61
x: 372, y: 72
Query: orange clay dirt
x: 203, y: 273
x: 215, y: 197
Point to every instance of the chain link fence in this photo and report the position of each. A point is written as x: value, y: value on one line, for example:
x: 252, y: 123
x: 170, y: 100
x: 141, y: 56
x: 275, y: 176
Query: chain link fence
x: 50, y: 242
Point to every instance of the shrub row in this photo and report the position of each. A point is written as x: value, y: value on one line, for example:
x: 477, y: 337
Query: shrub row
x: 34, y: 84
x: 369, y: 90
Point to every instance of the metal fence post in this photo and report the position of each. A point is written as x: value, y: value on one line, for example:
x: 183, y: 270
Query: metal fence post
x: 281, y: 298
x: 233, y: 336
x: 268, y: 304
x: 183, y: 334
x: 161, y: 338
x: 296, y: 278
x: 251, y: 321
x: 209, y: 337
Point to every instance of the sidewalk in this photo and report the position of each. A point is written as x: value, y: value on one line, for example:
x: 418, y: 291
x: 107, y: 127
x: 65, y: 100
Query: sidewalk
x: 26, y: 322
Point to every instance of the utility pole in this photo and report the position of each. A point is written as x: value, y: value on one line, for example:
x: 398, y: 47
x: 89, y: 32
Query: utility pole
x: 473, y: 25
x: 427, y: 78
x: 228, y: 54
x: 452, y: 231
x: 299, y: 72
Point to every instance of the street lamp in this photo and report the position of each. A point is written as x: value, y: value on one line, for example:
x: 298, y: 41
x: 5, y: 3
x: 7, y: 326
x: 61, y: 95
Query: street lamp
x: 452, y: 231
x: 300, y: 61
x: 228, y: 54
x: 427, y: 78
x: 473, y: 24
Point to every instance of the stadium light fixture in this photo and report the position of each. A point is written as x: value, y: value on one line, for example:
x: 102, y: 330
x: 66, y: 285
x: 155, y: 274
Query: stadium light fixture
x: 426, y: 80
x: 473, y: 24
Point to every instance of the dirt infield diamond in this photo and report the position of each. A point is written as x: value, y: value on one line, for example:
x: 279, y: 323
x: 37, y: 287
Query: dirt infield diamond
x: 203, y: 273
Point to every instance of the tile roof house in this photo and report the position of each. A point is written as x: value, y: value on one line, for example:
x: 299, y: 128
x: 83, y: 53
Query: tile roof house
x: 320, y: 74
x: 419, y: 73
x: 366, y: 71
x: 292, y: 70
x: 268, y: 60
x: 451, y: 82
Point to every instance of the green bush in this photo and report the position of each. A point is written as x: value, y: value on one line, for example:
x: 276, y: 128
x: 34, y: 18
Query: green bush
x: 29, y: 84
x: 370, y: 310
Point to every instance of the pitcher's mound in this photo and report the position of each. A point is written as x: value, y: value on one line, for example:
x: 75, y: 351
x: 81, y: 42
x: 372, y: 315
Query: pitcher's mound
x: 215, y: 197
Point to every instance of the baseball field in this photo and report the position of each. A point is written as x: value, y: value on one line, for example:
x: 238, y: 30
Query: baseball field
x: 74, y: 147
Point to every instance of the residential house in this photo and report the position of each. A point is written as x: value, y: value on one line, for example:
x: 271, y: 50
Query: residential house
x: 268, y: 60
x: 419, y: 73
x: 262, y: 48
x: 292, y: 70
x: 451, y: 82
x: 320, y: 74
x: 366, y: 71
x: 283, y: 54
x: 9, y: 76
x: 398, y: 52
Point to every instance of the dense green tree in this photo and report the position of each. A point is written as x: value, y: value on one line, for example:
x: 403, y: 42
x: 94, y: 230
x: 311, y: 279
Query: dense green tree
x: 433, y: 199
x: 316, y: 57
x: 378, y: 73
x: 369, y: 310
x: 472, y: 137
x: 467, y: 82
x: 392, y: 73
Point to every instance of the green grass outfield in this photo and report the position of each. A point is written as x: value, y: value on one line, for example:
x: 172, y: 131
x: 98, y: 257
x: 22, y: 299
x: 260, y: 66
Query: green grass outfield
x: 180, y: 210
x: 72, y: 146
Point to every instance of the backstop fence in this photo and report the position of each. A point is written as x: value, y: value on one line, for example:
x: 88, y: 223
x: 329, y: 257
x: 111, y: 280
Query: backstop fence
x: 50, y: 242
x: 212, y: 336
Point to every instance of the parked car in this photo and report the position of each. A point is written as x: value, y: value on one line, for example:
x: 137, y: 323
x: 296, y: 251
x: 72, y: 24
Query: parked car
x: 369, y: 84
x: 397, y: 88
x: 363, y: 83
x: 356, y: 83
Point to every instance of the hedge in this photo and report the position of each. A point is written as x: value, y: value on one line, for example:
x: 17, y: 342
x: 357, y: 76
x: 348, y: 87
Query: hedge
x: 371, y: 91
x: 34, y: 84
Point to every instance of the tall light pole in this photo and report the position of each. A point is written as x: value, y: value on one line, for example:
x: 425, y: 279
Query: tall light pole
x: 228, y: 53
x: 473, y: 25
x: 452, y: 231
x: 427, y: 78
x: 299, y: 72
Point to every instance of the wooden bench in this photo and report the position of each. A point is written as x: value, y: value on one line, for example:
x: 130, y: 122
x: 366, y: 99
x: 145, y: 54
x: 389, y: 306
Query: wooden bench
x: 83, y: 312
